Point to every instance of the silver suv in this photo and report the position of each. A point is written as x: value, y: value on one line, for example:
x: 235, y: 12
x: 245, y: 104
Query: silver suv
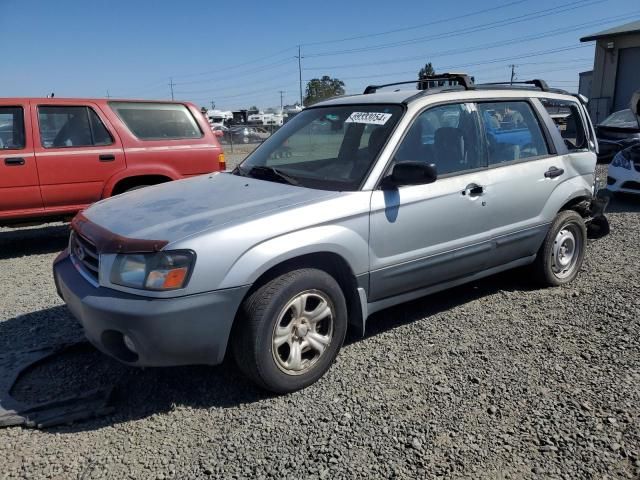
x: 357, y: 204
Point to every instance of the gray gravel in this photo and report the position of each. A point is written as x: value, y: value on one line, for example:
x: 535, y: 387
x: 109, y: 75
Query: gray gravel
x: 497, y: 379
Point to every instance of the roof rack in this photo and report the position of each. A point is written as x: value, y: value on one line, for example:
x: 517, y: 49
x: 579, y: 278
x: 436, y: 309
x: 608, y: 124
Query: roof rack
x: 462, y: 79
x: 541, y: 84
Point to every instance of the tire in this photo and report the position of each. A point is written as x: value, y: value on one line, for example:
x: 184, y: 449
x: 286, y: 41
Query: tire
x: 278, y: 348
x: 560, y: 257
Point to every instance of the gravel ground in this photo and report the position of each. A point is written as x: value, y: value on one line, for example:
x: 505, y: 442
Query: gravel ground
x: 496, y: 379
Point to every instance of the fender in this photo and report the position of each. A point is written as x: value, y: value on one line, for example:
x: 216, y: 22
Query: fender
x: 566, y: 191
x: 136, y: 171
x: 337, y: 239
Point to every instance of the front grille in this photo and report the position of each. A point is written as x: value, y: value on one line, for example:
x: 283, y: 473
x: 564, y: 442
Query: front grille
x: 86, y: 254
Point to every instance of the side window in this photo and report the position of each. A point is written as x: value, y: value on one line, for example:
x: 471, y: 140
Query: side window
x: 11, y: 128
x: 512, y: 131
x: 447, y: 136
x: 566, y: 116
x: 101, y: 135
x: 158, y: 121
x: 62, y: 126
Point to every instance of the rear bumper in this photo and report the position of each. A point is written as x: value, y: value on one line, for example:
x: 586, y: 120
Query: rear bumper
x: 185, y: 330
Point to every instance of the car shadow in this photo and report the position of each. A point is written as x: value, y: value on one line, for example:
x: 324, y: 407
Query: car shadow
x: 20, y: 242
x: 139, y: 393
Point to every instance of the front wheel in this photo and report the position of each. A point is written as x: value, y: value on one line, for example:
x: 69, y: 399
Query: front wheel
x: 290, y: 330
x: 560, y: 256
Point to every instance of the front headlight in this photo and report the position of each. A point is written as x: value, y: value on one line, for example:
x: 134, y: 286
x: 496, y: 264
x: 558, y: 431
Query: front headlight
x: 153, y: 271
x: 621, y: 160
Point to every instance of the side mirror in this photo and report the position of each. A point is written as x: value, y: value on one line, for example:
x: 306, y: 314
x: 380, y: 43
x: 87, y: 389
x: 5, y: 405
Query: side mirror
x: 411, y: 173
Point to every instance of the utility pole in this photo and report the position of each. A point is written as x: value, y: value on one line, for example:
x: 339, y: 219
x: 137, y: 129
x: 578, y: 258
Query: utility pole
x: 213, y: 105
x: 300, y: 57
x: 108, y: 96
x: 513, y: 73
x: 171, y: 84
x: 281, y: 95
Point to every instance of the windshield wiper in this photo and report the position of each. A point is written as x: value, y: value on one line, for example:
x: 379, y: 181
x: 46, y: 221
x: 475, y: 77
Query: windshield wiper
x: 271, y: 172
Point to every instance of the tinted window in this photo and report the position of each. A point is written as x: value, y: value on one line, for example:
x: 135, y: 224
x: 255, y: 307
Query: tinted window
x: 11, y: 128
x: 447, y: 136
x: 157, y: 121
x: 622, y: 119
x: 101, y: 135
x: 71, y: 127
x: 512, y: 131
x: 566, y: 116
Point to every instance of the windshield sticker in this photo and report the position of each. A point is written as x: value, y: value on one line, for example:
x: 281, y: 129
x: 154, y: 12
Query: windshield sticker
x: 371, y: 118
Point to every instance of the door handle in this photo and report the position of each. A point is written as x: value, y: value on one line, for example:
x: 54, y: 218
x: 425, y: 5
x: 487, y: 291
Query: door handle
x: 553, y: 172
x: 14, y: 161
x: 107, y: 158
x: 473, y: 190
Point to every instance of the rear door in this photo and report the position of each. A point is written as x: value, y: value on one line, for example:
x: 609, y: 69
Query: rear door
x: 19, y: 189
x: 77, y: 151
x: 524, y: 170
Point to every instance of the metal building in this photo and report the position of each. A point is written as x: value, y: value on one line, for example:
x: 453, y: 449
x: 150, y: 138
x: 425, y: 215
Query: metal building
x: 616, y: 69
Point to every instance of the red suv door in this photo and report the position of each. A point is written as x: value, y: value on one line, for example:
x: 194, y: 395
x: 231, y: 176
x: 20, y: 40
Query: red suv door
x: 77, y: 151
x: 19, y: 189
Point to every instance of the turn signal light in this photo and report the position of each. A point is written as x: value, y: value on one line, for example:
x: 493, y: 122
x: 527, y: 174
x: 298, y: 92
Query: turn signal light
x: 221, y: 162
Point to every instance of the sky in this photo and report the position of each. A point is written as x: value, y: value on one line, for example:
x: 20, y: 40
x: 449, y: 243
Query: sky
x: 239, y: 54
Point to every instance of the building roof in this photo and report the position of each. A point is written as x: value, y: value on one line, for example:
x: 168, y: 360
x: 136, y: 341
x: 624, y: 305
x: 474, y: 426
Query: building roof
x: 627, y: 28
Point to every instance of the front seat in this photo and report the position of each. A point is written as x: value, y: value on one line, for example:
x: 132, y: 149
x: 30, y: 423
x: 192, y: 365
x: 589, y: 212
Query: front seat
x: 449, y: 149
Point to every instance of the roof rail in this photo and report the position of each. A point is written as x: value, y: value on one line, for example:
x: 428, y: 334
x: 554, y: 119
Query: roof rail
x: 462, y: 79
x: 541, y: 84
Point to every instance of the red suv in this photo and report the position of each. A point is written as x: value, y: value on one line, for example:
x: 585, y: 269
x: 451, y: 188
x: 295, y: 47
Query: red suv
x: 59, y: 155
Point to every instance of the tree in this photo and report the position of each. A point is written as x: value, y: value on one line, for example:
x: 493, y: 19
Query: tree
x: 253, y: 107
x: 319, y: 89
x: 426, y: 71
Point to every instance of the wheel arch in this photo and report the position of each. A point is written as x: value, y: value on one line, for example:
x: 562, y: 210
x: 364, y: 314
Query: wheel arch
x: 329, y: 262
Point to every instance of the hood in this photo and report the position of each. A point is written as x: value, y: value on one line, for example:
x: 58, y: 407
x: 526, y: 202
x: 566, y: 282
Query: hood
x: 174, y: 210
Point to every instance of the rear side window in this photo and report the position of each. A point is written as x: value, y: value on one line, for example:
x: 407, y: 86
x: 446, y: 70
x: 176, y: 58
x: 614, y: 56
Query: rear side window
x: 11, y: 128
x: 512, y: 131
x: 62, y: 126
x: 158, y: 121
x: 568, y: 120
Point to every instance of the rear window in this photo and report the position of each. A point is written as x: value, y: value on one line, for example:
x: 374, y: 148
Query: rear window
x: 157, y: 121
x: 11, y: 128
x: 566, y: 116
x: 622, y: 119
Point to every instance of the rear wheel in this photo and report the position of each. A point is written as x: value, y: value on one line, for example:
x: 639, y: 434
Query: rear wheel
x: 137, y: 187
x: 290, y: 330
x: 560, y: 256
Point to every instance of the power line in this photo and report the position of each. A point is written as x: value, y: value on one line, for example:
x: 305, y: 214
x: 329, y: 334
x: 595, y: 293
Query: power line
x: 414, y: 27
x: 502, y: 43
x: 466, y: 30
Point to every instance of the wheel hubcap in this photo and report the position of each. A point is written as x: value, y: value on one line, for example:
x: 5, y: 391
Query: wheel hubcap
x: 565, y: 251
x: 303, y: 332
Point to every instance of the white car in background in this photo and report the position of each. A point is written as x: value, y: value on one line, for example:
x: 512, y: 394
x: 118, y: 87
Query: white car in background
x: 624, y: 170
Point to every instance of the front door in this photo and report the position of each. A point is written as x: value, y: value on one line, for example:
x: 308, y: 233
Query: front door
x: 423, y: 235
x: 77, y: 152
x: 19, y: 189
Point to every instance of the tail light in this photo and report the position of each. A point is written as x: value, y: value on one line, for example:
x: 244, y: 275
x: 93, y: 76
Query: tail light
x: 222, y: 164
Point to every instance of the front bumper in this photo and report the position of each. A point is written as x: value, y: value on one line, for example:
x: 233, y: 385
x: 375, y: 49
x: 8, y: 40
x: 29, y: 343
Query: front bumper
x: 623, y: 180
x: 187, y: 330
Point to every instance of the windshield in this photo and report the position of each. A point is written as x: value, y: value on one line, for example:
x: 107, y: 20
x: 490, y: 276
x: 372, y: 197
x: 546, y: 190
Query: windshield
x: 328, y: 148
x: 621, y: 119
